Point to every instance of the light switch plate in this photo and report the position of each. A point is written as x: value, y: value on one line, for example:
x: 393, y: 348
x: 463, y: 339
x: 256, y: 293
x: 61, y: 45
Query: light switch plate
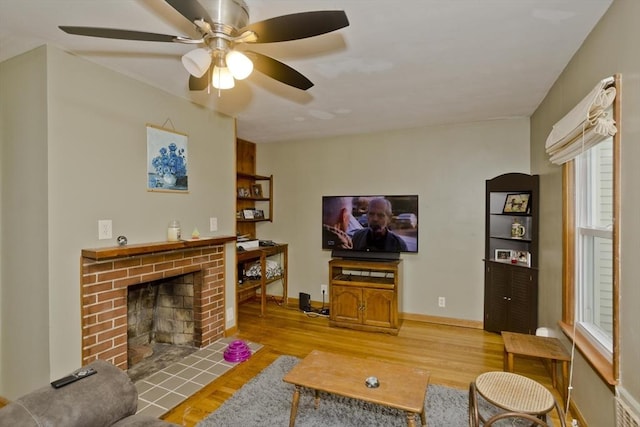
x: 105, y: 229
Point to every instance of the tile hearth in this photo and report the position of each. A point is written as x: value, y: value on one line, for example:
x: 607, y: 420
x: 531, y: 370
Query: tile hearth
x: 170, y: 386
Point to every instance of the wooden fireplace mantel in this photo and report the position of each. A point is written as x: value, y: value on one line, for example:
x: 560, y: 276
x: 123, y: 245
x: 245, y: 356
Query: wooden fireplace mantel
x: 154, y: 247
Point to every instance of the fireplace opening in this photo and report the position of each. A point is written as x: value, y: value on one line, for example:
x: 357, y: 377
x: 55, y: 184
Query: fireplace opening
x: 160, y: 324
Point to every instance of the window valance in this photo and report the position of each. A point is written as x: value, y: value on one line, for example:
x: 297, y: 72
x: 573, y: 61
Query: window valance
x: 587, y: 124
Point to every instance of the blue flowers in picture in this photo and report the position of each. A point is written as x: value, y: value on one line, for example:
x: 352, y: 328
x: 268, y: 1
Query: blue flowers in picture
x: 166, y: 160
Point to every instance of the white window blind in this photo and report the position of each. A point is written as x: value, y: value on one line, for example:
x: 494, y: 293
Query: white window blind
x: 587, y: 124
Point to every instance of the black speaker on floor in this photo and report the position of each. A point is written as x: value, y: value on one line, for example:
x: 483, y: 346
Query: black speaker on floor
x: 305, y: 302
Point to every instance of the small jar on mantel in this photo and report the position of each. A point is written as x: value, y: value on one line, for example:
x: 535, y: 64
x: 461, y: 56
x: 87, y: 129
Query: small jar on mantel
x: 173, y: 231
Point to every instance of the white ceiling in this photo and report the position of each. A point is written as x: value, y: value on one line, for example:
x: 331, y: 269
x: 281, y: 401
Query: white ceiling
x: 400, y: 64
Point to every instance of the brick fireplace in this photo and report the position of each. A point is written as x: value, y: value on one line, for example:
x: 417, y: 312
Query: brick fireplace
x: 108, y: 272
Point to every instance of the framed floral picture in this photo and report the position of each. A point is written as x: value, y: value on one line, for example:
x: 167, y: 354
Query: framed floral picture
x: 167, y: 160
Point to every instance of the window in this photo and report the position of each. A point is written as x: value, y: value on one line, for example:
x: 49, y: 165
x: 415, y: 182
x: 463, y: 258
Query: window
x: 591, y: 202
x: 594, y: 245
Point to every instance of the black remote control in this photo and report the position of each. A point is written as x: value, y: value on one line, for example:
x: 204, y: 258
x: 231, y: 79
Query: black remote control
x: 78, y: 375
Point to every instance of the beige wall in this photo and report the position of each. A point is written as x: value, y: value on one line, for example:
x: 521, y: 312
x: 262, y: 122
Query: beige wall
x: 74, y: 152
x: 24, y: 309
x: 70, y: 127
x: 445, y: 166
x: 609, y: 49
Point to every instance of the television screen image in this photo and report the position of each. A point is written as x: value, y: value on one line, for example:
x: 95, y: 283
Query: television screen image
x: 386, y: 224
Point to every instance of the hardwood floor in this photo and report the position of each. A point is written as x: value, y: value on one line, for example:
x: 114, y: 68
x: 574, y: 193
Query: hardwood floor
x: 453, y: 355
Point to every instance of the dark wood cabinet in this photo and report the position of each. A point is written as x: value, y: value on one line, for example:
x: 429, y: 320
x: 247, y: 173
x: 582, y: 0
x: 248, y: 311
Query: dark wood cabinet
x: 365, y: 295
x: 510, y: 298
x: 511, y: 253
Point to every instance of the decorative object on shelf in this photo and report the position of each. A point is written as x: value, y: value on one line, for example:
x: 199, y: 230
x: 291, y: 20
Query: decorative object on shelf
x: 517, y: 230
x: 237, y: 351
x: 256, y: 190
x: 521, y: 257
x: 247, y: 213
x: 503, y: 255
x: 517, y: 203
x: 122, y: 241
x: 244, y: 192
x: 166, y: 160
x: 258, y: 214
x: 272, y: 270
x: 195, y: 234
x: 173, y: 231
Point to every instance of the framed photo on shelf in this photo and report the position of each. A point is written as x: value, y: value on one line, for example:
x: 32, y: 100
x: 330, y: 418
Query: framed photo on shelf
x: 247, y: 213
x: 523, y: 257
x: 258, y: 214
x: 503, y: 255
x: 256, y: 190
x: 517, y: 203
x: 243, y: 192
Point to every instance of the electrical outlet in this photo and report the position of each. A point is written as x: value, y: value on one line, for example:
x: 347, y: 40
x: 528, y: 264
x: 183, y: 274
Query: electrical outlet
x: 324, y: 290
x: 213, y: 224
x: 442, y: 302
x: 105, y: 229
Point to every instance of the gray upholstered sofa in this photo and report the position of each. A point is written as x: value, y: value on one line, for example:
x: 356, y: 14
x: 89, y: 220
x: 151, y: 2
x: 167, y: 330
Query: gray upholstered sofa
x: 107, y: 398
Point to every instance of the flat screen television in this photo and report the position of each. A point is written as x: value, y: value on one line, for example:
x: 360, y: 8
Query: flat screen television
x: 364, y: 226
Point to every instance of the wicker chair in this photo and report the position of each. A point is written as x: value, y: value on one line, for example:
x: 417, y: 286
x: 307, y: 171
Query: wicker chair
x: 518, y: 397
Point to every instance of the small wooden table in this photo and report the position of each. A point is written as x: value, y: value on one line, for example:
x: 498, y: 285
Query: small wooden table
x: 261, y: 254
x: 401, y: 387
x: 536, y: 346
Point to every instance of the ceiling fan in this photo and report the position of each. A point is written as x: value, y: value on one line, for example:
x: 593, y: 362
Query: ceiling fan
x: 217, y: 61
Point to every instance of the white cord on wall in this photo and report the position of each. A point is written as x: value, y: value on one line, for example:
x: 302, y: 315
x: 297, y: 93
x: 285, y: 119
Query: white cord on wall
x: 573, y: 352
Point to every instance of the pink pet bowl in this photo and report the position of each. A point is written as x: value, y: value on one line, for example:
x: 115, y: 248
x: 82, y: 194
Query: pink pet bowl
x: 237, y: 351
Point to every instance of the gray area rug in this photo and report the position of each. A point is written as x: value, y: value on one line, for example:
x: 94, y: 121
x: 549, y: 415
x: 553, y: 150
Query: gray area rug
x: 266, y: 401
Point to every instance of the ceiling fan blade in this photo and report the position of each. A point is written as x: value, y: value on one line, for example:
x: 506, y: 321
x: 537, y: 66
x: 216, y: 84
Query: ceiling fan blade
x: 114, y: 33
x: 279, y: 71
x: 297, y: 26
x: 190, y: 9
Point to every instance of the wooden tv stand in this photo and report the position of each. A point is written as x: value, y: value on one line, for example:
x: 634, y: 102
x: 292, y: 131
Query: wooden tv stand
x: 365, y: 295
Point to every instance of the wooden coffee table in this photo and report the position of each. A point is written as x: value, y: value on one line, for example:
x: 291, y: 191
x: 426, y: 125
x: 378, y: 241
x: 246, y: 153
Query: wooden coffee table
x: 401, y: 387
x: 536, y: 346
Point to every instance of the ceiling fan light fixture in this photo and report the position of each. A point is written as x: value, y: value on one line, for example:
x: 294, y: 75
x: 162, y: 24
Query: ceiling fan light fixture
x: 239, y: 64
x: 222, y: 78
x: 197, y: 61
